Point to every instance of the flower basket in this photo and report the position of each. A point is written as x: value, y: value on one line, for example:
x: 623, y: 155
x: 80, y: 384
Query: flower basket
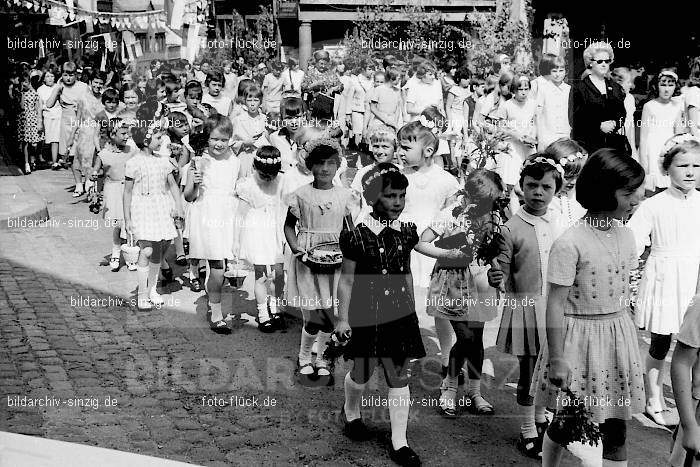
x: 324, y: 258
x: 131, y: 250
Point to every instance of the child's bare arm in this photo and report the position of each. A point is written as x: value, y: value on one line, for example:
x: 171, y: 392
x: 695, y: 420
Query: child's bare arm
x: 128, y: 188
x: 172, y: 186
x: 96, y: 166
x: 556, y: 299
x: 684, y: 358
x: 290, y: 233
x: 426, y: 247
x: 347, y: 279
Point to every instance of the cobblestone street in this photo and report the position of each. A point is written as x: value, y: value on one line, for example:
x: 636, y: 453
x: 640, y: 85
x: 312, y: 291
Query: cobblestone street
x: 161, y: 383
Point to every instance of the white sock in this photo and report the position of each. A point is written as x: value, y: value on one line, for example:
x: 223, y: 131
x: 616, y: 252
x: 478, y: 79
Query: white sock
x: 307, y: 340
x: 527, y: 424
x: 446, y: 337
x: 353, y: 395
x: 179, y: 247
x: 474, y: 387
x: 153, y: 270
x: 322, y: 339
x: 194, y: 271
x: 263, y: 315
x: 540, y: 414
x: 399, y: 401
x: 116, y: 251
x: 273, y: 305
x: 142, y: 277
x: 216, y: 312
x: 451, y: 382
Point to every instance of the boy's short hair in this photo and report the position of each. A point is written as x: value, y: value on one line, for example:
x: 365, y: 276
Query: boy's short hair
x: 383, y: 133
x: 69, y: 67
x: 215, y: 75
x: 110, y: 95
x: 462, y: 73
x: 605, y: 172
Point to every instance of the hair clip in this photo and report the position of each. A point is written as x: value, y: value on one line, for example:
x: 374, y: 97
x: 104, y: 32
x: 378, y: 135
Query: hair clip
x: 571, y: 158
x: 428, y: 124
x: 669, y: 73
x: 676, y: 140
x: 268, y: 160
x: 543, y: 160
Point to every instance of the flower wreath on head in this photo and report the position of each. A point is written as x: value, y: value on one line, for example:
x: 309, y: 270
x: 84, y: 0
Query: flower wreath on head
x: 312, y: 144
x: 428, y: 124
x: 270, y: 160
x: 572, y: 158
x: 156, y: 123
x: 378, y: 173
x: 543, y: 160
x: 675, y: 141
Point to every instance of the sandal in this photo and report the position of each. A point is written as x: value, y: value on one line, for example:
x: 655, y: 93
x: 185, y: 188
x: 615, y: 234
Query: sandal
x: 529, y: 447
x: 181, y: 260
x: 324, y: 375
x: 448, y: 402
x: 480, y: 406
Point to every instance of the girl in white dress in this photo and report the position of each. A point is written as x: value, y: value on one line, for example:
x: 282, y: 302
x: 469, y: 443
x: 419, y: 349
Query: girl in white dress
x: 571, y: 156
x: 518, y: 113
x: 249, y: 127
x: 261, y: 215
x: 669, y: 222
x: 151, y: 200
x: 211, y: 186
x: 661, y: 119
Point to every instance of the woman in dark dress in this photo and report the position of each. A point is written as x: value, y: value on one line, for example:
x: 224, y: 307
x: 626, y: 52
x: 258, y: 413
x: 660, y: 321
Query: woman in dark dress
x: 596, y: 104
x: 377, y: 308
x: 320, y: 86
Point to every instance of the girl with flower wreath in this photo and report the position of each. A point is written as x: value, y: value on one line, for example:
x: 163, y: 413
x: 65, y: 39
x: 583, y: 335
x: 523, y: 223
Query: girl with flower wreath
x: 571, y: 157
x: 261, y: 241
x: 317, y: 213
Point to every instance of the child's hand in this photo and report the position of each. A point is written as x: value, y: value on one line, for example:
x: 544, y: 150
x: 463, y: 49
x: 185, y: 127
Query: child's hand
x: 128, y: 227
x: 343, y: 328
x: 495, y: 276
x: 559, y: 372
x: 691, y: 439
x: 454, y: 254
x: 195, y: 174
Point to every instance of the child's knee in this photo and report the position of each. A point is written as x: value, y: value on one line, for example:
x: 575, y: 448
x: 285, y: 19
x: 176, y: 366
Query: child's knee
x: 614, y: 431
x: 147, y: 251
x: 659, y: 346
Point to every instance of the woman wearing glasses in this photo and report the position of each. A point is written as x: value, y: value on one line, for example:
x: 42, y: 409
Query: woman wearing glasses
x: 596, y: 106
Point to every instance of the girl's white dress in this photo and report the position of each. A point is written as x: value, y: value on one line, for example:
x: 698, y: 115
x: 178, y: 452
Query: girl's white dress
x: 658, y: 125
x: 670, y: 222
x: 212, y: 215
x: 261, y: 235
x: 151, y: 202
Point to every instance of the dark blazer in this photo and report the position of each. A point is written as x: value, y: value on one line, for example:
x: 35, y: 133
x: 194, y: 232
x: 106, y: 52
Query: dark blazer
x: 588, y: 108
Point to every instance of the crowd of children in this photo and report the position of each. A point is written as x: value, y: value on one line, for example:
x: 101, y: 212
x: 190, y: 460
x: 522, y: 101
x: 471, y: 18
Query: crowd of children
x: 233, y: 172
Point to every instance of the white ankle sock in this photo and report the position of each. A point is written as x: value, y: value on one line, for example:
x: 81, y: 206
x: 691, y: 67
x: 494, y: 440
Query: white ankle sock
x: 153, y: 270
x: 142, y: 276
x: 263, y: 315
x: 307, y: 340
x: 527, y: 424
x: 399, y: 405
x: 539, y: 414
x: 474, y: 387
x: 322, y: 339
x: 451, y: 382
x: 216, y: 312
x: 116, y: 251
x: 273, y: 305
x: 353, y: 395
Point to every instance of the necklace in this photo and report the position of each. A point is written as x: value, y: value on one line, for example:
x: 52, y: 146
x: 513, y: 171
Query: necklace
x: 615, y: 254
x: 566, y: 206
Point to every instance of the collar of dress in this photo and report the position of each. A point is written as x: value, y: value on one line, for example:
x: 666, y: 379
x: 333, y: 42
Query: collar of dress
x: 532, y: 220
x: 377, y: 227
x: 676, y: 193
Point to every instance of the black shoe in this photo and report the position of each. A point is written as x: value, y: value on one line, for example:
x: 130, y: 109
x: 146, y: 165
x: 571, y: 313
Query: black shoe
x: 186, y: 247
x: 195, y: 285
x: 404, y: 456
x: 167, y: 276
x: 460, y: 378
x: 279, y: 322
x: 529, y: 447
x: 356, y: 430
x: 307, y: 380
x: 181, y: 260
x: 220, y: 327
x: 267, y: 327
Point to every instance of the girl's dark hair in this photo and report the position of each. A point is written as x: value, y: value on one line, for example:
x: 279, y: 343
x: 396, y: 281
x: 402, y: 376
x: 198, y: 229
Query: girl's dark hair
x: 462, y: 73
x: 180, y: 116
x: 320, y: 153
x: 537, y: 170
x: 193, y: 84
x: 243, y: 86
x: 220, y: 122
x: 267, y: 153
x: 484, y: 188
x: 144, y: 118
x: 654, y: 86
x: 564, y: 147
x: 374, y: 182
x: 35, y: 81
x: 253, y: 91
x: 433, y: 114
x: 129, y: 87
x: 605, y: 172
x: 291, y: 107
x: 110, y: 95
x: 415, y: 131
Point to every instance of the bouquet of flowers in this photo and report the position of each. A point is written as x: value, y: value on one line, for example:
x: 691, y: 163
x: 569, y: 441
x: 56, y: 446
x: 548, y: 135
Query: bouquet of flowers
x: 483, y: 146
x: 573, y: 423
x: 335, y: 349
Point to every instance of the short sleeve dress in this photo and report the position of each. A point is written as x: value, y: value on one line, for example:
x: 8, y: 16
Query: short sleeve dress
x: 29, y: 119
x: 114, y: 162
x: 320, y: 214
x: 382, y: 310
x: 151, y: 203
x: 262, y: 238
x: 600, y: 339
